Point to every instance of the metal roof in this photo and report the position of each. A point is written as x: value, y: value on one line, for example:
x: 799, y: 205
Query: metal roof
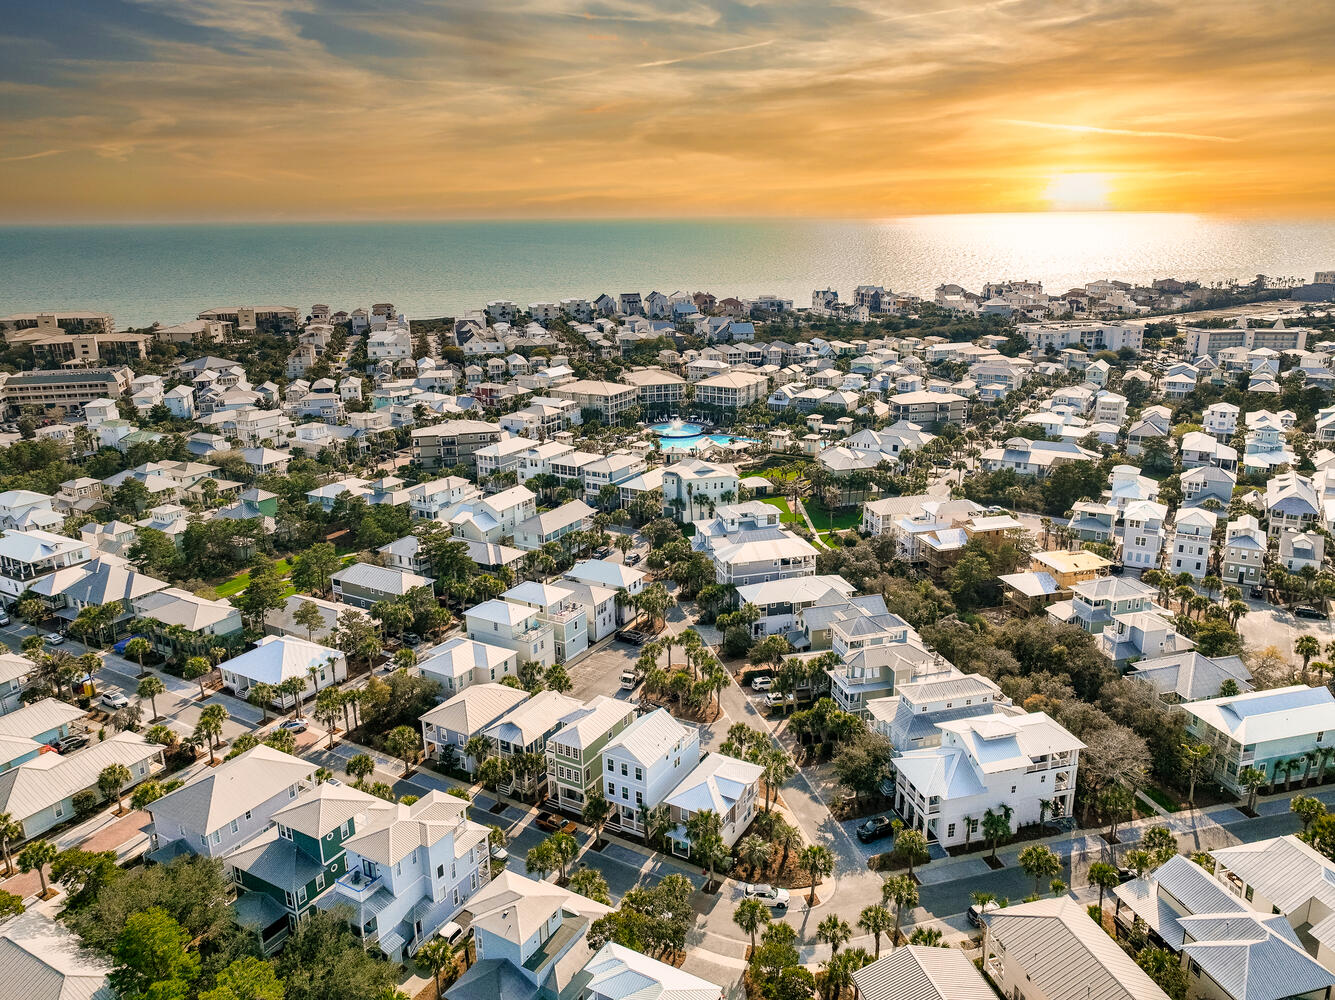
x: 917, y: 972
x: 1066, y: 955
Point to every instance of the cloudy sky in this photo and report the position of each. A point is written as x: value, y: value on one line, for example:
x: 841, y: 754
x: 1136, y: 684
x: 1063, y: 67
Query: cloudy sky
x: 424, y: 109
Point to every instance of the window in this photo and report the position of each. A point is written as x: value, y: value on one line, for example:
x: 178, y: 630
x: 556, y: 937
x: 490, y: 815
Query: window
x: 950, y: 830
x: 301, y: 895
x: 611, y: 766
x: 216, y: 837
x: 639, y: 774
x: 247, y: 814
x: 1012, y: 789
x: 235, y: 826
x: 624, y: 771
x: 611, y: 788
x: 319, y: 882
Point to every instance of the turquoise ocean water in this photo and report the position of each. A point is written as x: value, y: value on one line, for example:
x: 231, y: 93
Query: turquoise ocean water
x: 168, y: 273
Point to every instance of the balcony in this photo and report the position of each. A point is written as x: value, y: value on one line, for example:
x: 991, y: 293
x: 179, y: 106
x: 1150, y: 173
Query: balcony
x: 358, y: 886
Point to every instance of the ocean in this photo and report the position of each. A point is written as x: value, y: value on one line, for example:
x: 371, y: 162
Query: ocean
x: 168, y: 273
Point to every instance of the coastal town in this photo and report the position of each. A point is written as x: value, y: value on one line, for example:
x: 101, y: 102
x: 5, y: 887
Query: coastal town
x: 666, y: 646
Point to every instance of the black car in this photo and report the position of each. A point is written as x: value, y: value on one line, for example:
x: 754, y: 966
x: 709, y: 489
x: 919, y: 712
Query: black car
x: 1314, y: 613
x: 633, y: 559
x: 875, y: 828
x: 412, y: 639
x: 1257, y: 593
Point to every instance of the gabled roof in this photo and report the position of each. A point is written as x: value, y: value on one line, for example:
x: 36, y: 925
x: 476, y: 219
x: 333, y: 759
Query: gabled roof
x: 649, y: 736
x: 1066, y: 955
x: 326, y: 807
x: 1253, y: 956
x: 394, y: 833
x: 221, y: 794
x: 591, y: 721
x: 39, y: 717
x: 513, y: 907
x: 717, y: 783
x: 618, y: 973
x: 532, y: 719
x: 919, y: 972
x: 50, y: 778
x: 474, y: 708
x: 1262, y: 716
x: 44, y: 961
x: 277, y: 658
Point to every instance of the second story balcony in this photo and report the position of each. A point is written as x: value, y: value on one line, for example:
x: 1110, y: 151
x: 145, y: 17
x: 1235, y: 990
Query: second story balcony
x: 358, y: 886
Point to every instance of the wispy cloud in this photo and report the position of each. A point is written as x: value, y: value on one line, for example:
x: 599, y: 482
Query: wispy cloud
x: 433, y: 108
x: 31, y: 156
x: 1099, y: 130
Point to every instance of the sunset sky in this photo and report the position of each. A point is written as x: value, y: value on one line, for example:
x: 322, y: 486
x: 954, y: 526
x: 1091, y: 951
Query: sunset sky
x: 421, y: 109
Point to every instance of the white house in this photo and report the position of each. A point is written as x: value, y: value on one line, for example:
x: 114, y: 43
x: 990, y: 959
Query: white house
x: 460, y: 662
x: 693, y: 488
x: 279, y: 658
x: 223, y: 807
x: 1027, y: 762
x: 727, y: 787
x: 410, y: 870
x: 644, y: 762
x: 514, y: 626
x: 1190, y: 549
x: 452, y: 723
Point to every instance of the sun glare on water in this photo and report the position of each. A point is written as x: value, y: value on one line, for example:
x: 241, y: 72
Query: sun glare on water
x: 1078, y: 192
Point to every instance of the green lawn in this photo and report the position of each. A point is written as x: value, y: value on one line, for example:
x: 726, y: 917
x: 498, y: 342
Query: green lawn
x: 844, y: 517
x: 241, y: 581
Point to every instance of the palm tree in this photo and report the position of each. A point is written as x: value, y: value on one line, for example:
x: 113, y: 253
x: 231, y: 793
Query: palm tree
x: 755, y: 852
x: 1251, y: 779
x: 111, y: 780
x: 150, y: 687
x: 438, y: 955
x: 818, y: 862
x: 875, y: 920
x: 751, y: 915
x: 35, y: 857
x: 1194, y: 756
x: 1104, y: 876
x: 834, y: 932
x: 11, y: 832
x: 997, y: 824
x: 210, y: 726
x: 901, y: 891
x: 787, y: 837
x: 1307, y: 646
x: 359, y: 767
x: 259, y: 695
x: 138, y: 647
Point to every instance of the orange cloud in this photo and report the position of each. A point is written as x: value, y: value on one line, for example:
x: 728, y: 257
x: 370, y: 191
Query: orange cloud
x: 851, y: 108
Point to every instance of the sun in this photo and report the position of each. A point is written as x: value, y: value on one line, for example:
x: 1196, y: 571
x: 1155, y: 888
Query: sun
x: 1078, y: 192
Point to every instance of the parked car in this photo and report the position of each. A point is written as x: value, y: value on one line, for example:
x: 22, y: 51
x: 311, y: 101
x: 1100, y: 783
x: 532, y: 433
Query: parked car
x: 634, y: 559
x: 4, y: 618
x: 977, y: 912
x: 297, y: 725
x: 762, y: 683
x: 412, y: 639
x: 776, y: 700
x: 499, y: 853
x: 875, y: 828
x: 773, y: 896
x: 1308, y: 612
x: 55, y: 638
x: 114, y: 699
x: 451, y: 932
x: 602, y: 553
x: 628, y: 680
x: 555, y: 823
x: 1257, y: 593
x: 68, y: 743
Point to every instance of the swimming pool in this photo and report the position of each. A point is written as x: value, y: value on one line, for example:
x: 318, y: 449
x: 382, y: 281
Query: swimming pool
x: 681, y: 435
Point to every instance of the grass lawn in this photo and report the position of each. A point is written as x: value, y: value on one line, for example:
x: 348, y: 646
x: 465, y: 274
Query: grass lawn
x: 844, y: 517
x: 241, y: 581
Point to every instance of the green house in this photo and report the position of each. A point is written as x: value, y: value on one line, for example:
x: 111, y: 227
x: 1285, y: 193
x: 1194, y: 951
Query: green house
x: 281, y: 873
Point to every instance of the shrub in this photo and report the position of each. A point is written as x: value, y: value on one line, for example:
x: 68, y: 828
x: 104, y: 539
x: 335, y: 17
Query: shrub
x: 85, y: 803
